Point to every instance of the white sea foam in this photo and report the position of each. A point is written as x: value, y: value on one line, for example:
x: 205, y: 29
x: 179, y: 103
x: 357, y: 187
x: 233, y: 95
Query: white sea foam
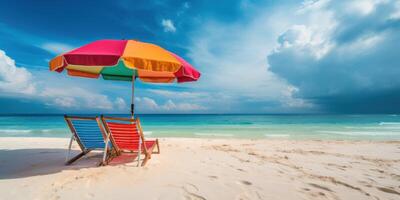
x: 19, y: 131
x: 368, y: 133
x: 15, y: 131
x: 389, y: 123
x: 277, y: 135
x: 147, y: 132
x: 373, y: 127
x: 214, y: 134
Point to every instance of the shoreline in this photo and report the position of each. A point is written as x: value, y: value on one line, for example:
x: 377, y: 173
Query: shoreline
x: 235, y: 138
x: 201, y: 168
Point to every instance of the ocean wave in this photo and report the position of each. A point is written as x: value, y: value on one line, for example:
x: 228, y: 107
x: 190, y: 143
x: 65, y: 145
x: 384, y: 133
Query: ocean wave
x: 30, y: 131
x: 277, y: 135
x: 147, y: 132
x: 373, y: 127
x: 214, y: 134
x: 369, y: 133
x: 15, y: 131
x: 389, y: 123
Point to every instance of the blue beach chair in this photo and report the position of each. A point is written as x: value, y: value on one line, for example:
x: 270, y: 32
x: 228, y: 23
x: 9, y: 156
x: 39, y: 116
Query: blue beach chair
x: 89, y: 134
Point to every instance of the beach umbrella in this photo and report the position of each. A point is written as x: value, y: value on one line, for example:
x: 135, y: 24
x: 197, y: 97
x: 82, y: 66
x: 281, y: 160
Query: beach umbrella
x: 125, y: 60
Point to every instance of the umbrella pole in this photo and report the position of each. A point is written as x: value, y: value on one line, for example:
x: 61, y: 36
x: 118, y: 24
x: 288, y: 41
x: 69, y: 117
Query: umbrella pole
x: 132, y: 112
x: 133, y: 96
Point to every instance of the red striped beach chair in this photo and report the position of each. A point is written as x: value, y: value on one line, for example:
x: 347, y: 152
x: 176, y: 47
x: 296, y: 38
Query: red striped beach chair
x: 126, y: 136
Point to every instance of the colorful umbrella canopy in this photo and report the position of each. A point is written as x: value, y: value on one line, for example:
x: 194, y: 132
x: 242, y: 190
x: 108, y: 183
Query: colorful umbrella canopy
x: 125, y: 60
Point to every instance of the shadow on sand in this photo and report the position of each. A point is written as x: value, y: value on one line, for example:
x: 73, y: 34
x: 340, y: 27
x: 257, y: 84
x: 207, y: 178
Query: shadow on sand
x: 20, y: 163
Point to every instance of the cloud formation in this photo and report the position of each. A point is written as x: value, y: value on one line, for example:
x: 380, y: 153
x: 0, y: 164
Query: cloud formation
x: 347, y: 62
x: 56, y: 48
x: 120, y: 104
x: 178, y: 94
x: 168, y: 25
x: 149, y: 105
x: 76, y: 98
x: 13, y: 79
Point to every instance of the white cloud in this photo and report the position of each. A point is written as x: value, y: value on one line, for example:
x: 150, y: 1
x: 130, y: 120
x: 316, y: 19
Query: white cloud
x: 56, y: 48
x: 168, y: 25
x: 362, y: 7
x: 76, y: 97
x: 171, y: 106
x: 178, y: 94
x: 75, y: 94
x: 304, y: 37
x: 149, y: 105
x: 146, y: 103
x: 14, y: 80
x: 120, y: 104
x: 66, y: 102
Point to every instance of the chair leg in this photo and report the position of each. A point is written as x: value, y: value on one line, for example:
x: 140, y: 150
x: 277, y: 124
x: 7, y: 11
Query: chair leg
x: 105, y: 154
x: 158, y: 147
x: 111, y: 155
x: 150, y: 151
x: 77, y: 157
x: 146, y: 158
x: 139, y: 152
x: 69, y: 148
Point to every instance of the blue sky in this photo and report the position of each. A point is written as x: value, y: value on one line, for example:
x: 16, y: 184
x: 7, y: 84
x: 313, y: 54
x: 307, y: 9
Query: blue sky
x: 255, y: 56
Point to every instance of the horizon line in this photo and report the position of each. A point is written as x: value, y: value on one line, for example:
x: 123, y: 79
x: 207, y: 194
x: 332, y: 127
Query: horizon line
x: 58, y: 114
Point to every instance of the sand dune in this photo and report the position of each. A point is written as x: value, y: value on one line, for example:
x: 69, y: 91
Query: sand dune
x: 32, y: 168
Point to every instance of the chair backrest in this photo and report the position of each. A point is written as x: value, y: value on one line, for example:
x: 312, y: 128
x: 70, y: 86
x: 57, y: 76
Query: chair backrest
x: 88, y: 131
x: 125, y: 133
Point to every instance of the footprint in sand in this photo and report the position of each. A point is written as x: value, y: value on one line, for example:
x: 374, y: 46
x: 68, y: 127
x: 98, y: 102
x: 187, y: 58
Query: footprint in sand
x: 321, y: 193
x: 388, y: 190
x: 191, y: 192
x: 245, y: 182
x: 320, y: 187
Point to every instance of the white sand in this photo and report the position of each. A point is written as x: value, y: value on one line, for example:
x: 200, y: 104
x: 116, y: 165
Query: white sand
x: 32, y: 168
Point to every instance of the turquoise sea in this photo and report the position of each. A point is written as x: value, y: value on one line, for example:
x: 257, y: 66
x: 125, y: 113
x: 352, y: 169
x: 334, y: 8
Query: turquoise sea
x: 352, y: 127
